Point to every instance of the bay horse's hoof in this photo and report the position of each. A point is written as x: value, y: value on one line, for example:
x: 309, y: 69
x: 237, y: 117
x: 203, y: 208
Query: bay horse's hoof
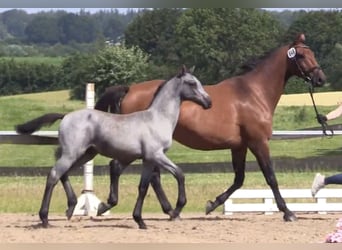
x: 209, y: 207
x: 290, y: 217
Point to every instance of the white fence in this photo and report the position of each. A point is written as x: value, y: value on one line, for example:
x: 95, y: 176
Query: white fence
x: 299, y: 200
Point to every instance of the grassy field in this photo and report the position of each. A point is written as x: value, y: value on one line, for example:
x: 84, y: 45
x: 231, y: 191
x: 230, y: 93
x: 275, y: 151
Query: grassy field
x: 36, y: 59
x: 23, y: 194
x: 19, y: 108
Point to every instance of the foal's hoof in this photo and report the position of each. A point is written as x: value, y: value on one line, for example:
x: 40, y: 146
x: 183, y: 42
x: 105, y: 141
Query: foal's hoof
x: 69, y: 212
x: 290, y: 217
x: 45, y: 224
x: 102, y: 208
x: 142, y: 225
x: 175, y: 218
x: 209, y: 207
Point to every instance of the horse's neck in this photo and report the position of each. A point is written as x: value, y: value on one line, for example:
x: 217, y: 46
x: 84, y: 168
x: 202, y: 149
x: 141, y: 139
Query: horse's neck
x: 272, y: 76
x: 166, y: 104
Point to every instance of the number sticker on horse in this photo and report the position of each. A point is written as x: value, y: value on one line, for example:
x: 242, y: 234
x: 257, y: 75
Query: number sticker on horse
x: 291, y: 53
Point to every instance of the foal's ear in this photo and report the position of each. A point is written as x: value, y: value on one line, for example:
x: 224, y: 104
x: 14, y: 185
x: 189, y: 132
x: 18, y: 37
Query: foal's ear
x: 182, y: 71
x: 192, y: 69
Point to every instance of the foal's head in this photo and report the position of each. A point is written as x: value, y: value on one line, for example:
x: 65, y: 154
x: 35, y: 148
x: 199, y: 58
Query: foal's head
x: 192, y: 88
x: 303, y: 62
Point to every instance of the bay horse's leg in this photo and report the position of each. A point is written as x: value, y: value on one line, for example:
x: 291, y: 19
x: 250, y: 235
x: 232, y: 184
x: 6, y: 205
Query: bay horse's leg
x: 239, y: 162
x: 115, y: 171
x: 262, y: 154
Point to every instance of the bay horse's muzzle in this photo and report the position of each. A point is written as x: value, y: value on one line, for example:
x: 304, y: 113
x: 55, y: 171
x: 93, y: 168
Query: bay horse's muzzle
x: 317, y: 77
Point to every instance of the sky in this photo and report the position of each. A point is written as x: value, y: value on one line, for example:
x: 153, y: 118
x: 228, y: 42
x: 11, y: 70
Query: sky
x: 74, y: 10
x: 124, y: 10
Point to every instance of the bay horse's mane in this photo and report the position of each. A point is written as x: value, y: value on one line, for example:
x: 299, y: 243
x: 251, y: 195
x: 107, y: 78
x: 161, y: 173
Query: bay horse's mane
x: 254, y: 61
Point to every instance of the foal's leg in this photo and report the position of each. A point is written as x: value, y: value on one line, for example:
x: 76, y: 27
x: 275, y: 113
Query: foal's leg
x: 162, y: 161
x: 239, y: 162
x: 62, y: 166
x: 143, y: 187
x: 158, y: 189
x: 262, y: 155
x: 116, y: 170
x: 71, y: 196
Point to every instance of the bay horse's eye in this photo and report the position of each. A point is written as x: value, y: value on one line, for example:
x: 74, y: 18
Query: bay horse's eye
x: 300, y: 56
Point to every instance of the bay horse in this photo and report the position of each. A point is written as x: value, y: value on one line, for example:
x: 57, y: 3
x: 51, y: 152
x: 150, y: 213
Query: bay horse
x: 145, y: 135
x: 240, y: 117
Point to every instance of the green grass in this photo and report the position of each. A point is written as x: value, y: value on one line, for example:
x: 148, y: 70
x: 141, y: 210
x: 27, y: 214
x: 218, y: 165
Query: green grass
x: 20, y: 108
x: 24, y: 194
x: 36, y: 59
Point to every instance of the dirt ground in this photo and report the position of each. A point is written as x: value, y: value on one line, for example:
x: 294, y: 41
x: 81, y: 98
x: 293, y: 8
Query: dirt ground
x: 191, y: 228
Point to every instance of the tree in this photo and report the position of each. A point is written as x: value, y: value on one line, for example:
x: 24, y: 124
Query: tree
x: 15, y: 22
x: 154, y: 32
x: 42, y: 29
x: 323, y: 34
x: 109, y: 66
x: 77, y: 28
x: 334, y: 70
x: 217, y: 40
x: 118, y: 65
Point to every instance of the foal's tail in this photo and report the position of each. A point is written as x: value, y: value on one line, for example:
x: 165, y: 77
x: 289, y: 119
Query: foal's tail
x: 110, y: 101
x: 35, y: 124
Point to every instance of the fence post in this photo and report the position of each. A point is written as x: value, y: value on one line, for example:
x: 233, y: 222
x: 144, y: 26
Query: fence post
x: 87, y: 203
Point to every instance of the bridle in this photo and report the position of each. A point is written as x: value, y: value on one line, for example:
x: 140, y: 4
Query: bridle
x: 304, y: 73
x: 307, y: 78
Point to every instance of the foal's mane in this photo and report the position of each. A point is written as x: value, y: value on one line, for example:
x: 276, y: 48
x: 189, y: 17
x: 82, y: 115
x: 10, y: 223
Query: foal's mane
x: 158, y: 90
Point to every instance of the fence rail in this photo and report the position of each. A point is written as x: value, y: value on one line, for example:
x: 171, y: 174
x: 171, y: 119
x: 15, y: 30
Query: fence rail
x: 50, y: 137
x: 262, y: 200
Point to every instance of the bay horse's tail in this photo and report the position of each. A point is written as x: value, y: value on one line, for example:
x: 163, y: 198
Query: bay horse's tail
x: 110, y: 101
x: 35, y: 124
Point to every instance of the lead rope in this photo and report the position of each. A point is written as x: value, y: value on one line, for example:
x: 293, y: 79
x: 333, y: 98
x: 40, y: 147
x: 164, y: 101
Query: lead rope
x: 323, y: 124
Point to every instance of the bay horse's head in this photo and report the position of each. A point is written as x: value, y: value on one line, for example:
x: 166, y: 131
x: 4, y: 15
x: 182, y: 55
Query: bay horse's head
x: 303, y: 62
x: 192, y: 89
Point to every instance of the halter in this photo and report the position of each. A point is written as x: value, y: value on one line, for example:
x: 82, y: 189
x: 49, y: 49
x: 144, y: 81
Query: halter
x: 292, y: 54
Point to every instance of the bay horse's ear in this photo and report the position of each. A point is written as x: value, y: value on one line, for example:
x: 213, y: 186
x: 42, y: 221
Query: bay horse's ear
x: 300, y: 38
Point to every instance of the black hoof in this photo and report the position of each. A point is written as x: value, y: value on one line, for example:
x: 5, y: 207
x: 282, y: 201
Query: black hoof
x: 45, y: 224
x: 142, y: 225
x: 69, y: 212
x: 209, y: 207
x: 102, y: 208
x: 290, y: 217
x: 177, y: 218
